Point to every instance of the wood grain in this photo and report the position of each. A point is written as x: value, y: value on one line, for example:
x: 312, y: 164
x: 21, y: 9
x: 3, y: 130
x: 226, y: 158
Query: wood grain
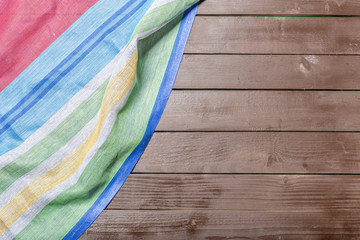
x: 261, y: 110
x: 268, y: 72
x: 277, y: 7
x: 251, y: 152
x: 287, y: 193
x: 230, y: 224
x: 275, y: 35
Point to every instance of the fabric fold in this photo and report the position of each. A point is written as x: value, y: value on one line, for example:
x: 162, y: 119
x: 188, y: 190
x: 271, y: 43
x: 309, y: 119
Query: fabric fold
x: 76, y: 151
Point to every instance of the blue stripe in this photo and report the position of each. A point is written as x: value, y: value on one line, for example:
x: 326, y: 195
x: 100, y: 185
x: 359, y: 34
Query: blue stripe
x: 168, y: 81
x: 75, y: 54
x: 57, y: 51
x: 69, y: 57
x: 74, y: 64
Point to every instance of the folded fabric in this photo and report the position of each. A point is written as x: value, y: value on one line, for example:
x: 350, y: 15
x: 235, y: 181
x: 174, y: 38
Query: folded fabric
x: 82, y: 87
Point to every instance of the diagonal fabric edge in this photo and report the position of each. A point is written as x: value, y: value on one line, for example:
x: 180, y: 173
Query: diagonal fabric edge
x: 161, y: 100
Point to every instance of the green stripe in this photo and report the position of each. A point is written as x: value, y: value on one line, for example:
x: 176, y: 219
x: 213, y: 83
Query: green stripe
x: 161, y: 15
x: 54, y: 141
x: 67, y: 209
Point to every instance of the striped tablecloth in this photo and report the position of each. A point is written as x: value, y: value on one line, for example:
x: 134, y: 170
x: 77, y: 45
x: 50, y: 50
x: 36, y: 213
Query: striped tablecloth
x: 82, y: 87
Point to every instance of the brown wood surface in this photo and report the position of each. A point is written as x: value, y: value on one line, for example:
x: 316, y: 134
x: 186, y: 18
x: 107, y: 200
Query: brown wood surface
x: 287, y: 193
x: 242, y: 151
x: 275, y: 35
x: 225, y: 224
x: 262, y: 111
x: 251, y: 152
x: 268, y: 72
x: 279, y: 7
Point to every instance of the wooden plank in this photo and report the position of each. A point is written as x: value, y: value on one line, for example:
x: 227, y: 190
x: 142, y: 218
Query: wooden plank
x: 230, y: 224
x: 262, y: 110
x: 289, y: 193
x: 308, y: 7
x: 268, y: 72
x: 275, y: 35
x: 251, y: 152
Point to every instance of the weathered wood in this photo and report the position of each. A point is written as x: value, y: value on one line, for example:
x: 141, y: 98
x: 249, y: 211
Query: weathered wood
x: 262, y: 110
x: 293, y: 7
x: 230, y: 224
x: 275, y: 35
x: 287, y: 193
x: 268, y: 72
x: 251, y: 152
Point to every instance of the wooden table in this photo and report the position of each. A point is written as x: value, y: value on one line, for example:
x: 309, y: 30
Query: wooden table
x: 261, y: 135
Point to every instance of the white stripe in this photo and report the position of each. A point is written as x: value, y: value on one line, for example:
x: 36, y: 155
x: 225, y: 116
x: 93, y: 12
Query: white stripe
x: 160, y: 3
x: 29, y: 215
x: 48, y: 164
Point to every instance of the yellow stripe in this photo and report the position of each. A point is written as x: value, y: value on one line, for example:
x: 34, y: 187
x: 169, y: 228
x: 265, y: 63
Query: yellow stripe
x: 17, y: 206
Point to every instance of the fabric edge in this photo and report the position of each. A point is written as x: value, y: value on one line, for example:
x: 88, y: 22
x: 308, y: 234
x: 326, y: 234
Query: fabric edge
x: 164, y: 92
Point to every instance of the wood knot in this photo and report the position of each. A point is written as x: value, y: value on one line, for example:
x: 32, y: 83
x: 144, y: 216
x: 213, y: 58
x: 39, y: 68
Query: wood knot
x: 285, y: 180
x: 191, y: 225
